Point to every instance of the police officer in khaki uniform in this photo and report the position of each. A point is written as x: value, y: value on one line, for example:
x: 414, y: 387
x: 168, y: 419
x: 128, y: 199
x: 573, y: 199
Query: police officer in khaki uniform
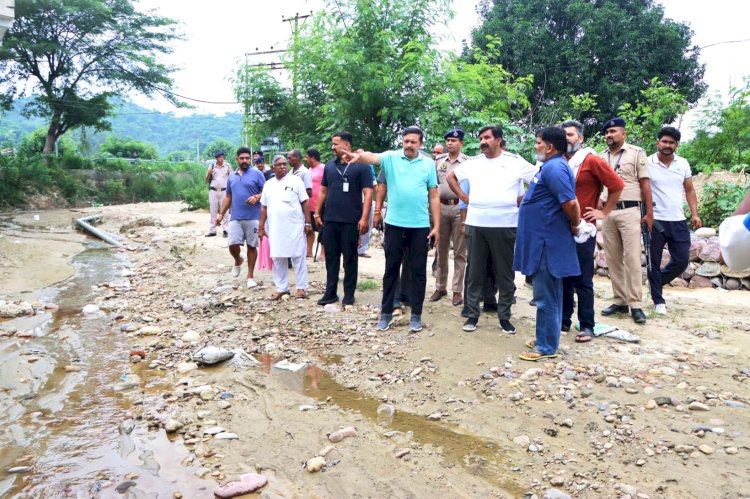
x: 622, y: 227
x: 450, y: 221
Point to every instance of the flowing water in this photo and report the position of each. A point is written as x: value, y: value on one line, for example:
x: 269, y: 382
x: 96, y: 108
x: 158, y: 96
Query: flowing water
x: 67, y: 431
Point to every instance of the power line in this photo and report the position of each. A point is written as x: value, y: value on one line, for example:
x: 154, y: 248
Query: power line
x: 724, y: 43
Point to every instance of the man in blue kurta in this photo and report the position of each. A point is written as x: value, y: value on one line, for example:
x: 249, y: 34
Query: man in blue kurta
x: 545, y: 248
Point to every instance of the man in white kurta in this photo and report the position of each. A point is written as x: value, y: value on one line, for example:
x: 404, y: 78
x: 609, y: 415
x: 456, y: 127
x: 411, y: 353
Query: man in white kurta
x: 284, y: 204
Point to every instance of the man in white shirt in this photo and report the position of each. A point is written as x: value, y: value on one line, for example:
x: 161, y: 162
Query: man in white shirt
x: 298, y: 169
x: 284, y: 204
x: 491, y: 220
x: 670, y: 177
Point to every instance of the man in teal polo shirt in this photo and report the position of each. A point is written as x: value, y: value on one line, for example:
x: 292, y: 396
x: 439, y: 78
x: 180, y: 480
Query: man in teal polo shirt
x: 411, y: 186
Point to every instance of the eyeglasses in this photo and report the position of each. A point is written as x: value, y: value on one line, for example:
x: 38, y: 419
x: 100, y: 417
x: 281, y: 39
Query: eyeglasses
x: 279, y: 163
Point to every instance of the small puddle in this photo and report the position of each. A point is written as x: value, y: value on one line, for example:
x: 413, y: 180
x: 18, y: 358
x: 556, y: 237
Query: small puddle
x: 66, y: 426
x: 479, y: 456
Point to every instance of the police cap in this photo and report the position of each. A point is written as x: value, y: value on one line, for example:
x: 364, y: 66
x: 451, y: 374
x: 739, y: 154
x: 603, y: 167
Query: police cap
x: 613, y: 122
x: 456, y: 133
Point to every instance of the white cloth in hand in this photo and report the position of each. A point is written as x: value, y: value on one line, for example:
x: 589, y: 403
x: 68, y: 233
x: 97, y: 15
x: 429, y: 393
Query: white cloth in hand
x: 586, y: 230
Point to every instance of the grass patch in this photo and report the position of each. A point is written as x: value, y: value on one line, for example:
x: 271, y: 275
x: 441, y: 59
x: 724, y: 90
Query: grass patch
x: 367, y: 284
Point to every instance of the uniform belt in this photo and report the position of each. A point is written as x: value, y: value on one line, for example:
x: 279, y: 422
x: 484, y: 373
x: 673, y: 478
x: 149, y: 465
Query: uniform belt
x: 627, y: 204
x: 218, y: 189
x: 449, y: 202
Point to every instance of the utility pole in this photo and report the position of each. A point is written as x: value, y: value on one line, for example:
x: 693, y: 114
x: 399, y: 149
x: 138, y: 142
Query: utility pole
x: 294, y: 22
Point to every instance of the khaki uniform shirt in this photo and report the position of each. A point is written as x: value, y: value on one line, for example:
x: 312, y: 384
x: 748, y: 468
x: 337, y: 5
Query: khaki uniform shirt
x: 631, y: 164
x: 444, y: 165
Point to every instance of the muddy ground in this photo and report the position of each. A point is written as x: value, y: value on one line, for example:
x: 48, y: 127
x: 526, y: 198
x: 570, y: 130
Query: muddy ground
x: 666, y: 417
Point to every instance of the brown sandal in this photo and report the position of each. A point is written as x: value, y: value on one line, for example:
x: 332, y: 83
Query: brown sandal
x: 277, y: 296
x: 300, y: 295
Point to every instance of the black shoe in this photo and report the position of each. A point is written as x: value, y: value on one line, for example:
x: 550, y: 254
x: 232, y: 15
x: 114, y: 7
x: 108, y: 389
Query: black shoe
x: 464, y: 312
x: 506, y: 326
x: 565, y: 327
x: 211, y: 234
x: 325, y: 300
x: 490, y: 307
x: 348, y: 300
x: 638, y: 316
x: 616, y: 309
x: 470, y: 324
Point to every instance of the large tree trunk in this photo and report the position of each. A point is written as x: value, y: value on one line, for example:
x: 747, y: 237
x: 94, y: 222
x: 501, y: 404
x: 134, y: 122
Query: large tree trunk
x: 52, y: 133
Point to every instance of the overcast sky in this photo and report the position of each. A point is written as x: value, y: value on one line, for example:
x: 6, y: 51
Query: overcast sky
x: 219, y: 33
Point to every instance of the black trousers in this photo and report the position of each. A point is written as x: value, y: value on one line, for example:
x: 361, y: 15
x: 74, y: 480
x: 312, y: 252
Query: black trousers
x: 497, y: 244
x: 341, y: 239
x: 395, y: 242
x: 676, y: 235
x: 583, y: 286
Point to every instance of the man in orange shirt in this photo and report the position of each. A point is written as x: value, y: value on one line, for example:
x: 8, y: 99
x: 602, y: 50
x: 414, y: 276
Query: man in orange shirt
x: 591, y: 174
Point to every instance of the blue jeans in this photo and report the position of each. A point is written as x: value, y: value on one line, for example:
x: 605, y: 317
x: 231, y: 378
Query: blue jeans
x: 583, y: 286
x: 548, y: 298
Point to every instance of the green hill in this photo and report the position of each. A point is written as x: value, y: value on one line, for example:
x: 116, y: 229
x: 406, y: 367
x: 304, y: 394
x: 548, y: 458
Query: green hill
x: 166, y: 131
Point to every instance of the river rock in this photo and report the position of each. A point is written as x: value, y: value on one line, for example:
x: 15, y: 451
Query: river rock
x: 679, y: 282
x: 732, y: 284
x: 555, y: 494
x: 128, y: 381
x: 90, y: 309
x: 315, y: 464
x: 706, y: 449
x: 705, y: 232
x: 191, y: 336
x: 214, y: 430
x: 698, y: 406
x: 149, y: 331
x: 124, y: 486
x: 19, y: 469
x: 700, y: 282
x: 72, y: 369
x: 338, y: 436
x: 245, y: 484
x: 602, y: 272
x: 731, y: 450
x: 522, y: 441
x: 223, y: 404
x: 206, y: 394
x: 226, y: 435
x: 172, y: 426
x: 628, y: 489
x: 211, y: 355
x: 186, y: 367
x: 711, y: 253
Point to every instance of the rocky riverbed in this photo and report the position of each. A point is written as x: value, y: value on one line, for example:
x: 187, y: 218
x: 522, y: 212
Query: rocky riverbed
x: 440, y: 411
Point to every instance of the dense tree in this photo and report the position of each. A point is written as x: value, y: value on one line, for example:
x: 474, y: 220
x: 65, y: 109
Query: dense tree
x: 128, y: 148
x: 365, y: 66
x: 608, y: 48
x: 79, y: 54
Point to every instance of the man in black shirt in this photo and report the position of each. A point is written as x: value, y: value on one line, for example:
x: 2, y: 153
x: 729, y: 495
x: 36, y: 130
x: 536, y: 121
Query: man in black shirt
x: 343, y: 211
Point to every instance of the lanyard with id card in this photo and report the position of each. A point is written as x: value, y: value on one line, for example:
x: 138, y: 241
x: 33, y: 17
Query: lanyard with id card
x: 345, y: 185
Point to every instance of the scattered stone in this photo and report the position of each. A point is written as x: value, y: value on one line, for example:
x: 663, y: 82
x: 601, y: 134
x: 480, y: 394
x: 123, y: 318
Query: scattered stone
x: 18, y: 469
x: 568, y: 423
x: 522, y: 441
x: 326, y: 450
x: 223, y: 404
x: 315, y: 464
x: 207, y: 394
x: 214, y: 430
x: 401, y: 453
x: 225, y: 435
x: 698, y: 406
x: 663, y: 401
x: 651, y: 404
x: 149, y: 331
x: 124, y: 486
x: 640, y: 462
x: 706, y: 449
x: 339, y: 435
x: 555, y: 494
x: 172, y: 426
x: 186, y: 367
x: 245, y: 484
x: 628, y: 489
x: 211, y: 355
x: 731, y: 450
x: 72, y: 369
x: 557, y: 481
x: 191, y: 337
x: 90, y: 309
x: 436, y: 416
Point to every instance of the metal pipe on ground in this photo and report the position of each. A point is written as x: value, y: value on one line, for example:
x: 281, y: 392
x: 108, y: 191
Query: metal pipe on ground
x: 84, y: 224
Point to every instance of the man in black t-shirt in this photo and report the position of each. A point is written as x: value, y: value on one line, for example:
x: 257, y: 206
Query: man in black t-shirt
x: 343, y: 211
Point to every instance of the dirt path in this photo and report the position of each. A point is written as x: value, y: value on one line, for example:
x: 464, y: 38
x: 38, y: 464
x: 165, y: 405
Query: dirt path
x: 477, y: 422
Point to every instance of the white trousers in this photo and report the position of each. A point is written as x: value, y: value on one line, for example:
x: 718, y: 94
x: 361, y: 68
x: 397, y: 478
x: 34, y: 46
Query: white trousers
x: 281, y: 272
x: 214, y: 203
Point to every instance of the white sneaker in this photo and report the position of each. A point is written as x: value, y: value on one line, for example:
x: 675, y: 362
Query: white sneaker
x: 660, y: 309
x: 236, y: 269
x: 251, y: 284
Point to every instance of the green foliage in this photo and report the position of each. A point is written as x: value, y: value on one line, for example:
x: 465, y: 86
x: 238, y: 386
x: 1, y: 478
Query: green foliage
x: 364, y: 66
x: 79, y: 54
x: 195, y: 197
x: 609, y: 48
x: 367, y: 284
x: 128, y: 148
x: 227, y: 147
x: 719, y: 200
x: 722, y: 137
x: 659, y: 105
